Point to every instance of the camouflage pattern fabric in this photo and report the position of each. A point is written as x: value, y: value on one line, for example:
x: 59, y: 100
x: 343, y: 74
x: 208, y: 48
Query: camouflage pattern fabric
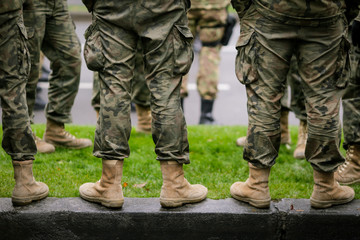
x: 265, y: 49
x: 209, y: 4
x: 110, y: 49
x: 351, y: 102
x: 209, y: 26
x: 140, y: 93
x: 53, y: 31
x: 18, y: 139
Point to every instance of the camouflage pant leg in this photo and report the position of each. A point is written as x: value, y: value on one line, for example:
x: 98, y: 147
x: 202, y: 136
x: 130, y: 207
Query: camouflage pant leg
x: 262, y: 64
x: 209, y: 25
x: 95, y: 97
x: 168, y: 56
x: 34, y: 45
x: 351, y: 103
x: 140, y: 93
x: 61, y: 46
x: 17, y: 140
x: 297, y: 102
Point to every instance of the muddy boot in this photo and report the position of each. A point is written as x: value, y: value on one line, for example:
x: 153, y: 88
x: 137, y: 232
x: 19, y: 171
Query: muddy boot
x: 255, y: 190
x: 206, y: 116
x: 349, y: 172
x: 144, y: 119
x: 327, y: 192
x: 299, y: 152
x: 56, y: 135
x: 176, y: 190
x: 26, y: 188
x: 107, y: 190
x: 42, y: 146
x: 241, y: 141
x: 284, y: 128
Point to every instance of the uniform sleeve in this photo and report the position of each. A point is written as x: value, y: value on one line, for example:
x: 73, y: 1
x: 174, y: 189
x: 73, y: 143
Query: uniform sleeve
x: 241, y: 6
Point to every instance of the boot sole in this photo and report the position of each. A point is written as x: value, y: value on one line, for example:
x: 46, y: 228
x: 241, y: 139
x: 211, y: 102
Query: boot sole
x: 326, y: 204
x: 105, y: 202
x: 178, y: 202
x: 20, y: 201
x: 256, y: 203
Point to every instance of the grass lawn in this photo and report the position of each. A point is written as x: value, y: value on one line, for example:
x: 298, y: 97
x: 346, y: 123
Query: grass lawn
x: 216, y: 162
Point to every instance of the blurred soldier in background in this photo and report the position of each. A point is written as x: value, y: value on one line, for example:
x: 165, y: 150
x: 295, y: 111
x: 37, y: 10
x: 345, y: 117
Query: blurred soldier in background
x: 207, y: 19
x: 18, y: 139
x: 52, y: 31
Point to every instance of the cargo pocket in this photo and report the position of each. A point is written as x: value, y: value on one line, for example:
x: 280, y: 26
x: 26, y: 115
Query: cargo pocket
x: 246, y: 63
x: 23, y: 55
x: 93, y: 49
x: 183, y: 53
x: 343, y: 65
x: 355, y: 66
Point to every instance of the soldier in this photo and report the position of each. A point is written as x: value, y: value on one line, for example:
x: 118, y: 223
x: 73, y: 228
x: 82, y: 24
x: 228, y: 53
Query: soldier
x: 140, y: 94
x: 349, y: 172
x: 271, y: 32
x: 110, y: 49
x: 52, y: 31
x: 18, y: 139
x: 207, y: 18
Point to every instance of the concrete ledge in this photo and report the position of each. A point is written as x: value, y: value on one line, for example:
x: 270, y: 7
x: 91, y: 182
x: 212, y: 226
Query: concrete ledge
x: 143, y: 218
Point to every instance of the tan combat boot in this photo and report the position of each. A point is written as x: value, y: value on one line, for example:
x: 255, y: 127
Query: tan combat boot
x: 284, y: 128
x: 144, y: 119
x: 56, y: 135
x: 255, y: 190
x: 107, y: 190
x: 349, y: 172
x: 299, y: 152
x: 328, y: 192
x: 26, y: 188
x: 176, y: 190
x: 241, y: 141
x: 42, y: 146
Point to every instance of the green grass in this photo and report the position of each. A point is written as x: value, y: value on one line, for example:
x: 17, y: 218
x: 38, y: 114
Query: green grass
x: 216, y: 162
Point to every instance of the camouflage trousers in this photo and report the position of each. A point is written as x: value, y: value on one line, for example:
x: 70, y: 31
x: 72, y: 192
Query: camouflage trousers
x: 18, y: 140
x: 140, y: 93
x: 209, y: 26
x: 265, y: 49
x: 110, y: 49
x: 351, y: 103
x: 52, y: 30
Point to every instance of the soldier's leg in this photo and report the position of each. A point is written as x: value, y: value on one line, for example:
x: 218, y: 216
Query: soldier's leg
x: 323, y: 91
x: 95, y: 98
x: 263, y: 72
x: 349, y: 172
x: 211, y: 31
x: 62, y: 47
x: 116, y: 63
x: 18, y: 139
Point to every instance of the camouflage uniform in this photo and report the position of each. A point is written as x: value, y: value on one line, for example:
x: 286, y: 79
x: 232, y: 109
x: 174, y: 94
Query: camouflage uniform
x: 316, y: 33
x: 52, y: 31
x: 110, y: 49
x: 207, y: 19
x: 140, y: 93
x: 351, y: 101
x: 18, y: 140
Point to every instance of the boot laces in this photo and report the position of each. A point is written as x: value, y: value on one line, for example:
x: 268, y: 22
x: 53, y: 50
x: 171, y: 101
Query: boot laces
x: 347, y: 161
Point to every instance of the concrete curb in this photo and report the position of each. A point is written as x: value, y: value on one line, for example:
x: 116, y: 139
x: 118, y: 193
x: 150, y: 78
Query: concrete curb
x: 143, y: 218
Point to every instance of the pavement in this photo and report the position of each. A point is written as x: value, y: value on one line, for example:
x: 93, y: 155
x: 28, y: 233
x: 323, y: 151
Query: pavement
x: 144, y: 218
